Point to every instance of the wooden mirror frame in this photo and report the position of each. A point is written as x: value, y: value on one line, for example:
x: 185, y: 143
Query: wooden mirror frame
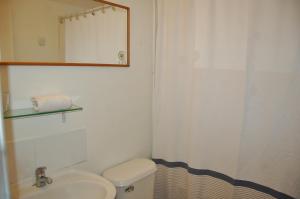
x: 20, y: 63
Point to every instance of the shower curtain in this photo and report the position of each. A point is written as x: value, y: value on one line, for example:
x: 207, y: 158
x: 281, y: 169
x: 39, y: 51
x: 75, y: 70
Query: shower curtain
x: 94, y: 38
x: 227, y: 99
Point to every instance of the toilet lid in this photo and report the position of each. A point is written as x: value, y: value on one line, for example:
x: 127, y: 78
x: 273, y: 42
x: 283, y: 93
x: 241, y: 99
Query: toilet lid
x: 130, y: 172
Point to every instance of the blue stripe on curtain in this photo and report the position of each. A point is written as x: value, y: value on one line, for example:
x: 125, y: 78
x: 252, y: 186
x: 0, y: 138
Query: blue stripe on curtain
x: 221, y: 176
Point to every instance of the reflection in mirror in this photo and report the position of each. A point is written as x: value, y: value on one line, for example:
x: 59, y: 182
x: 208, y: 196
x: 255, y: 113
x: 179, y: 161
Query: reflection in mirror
x: 63, y: 31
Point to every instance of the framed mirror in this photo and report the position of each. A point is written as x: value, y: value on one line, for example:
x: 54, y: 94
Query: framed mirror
x: 64, y: 33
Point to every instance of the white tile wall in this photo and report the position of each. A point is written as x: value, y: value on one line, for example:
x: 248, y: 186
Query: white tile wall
x: 116, y: 101
x: 25, y: 156
x: 55, y: 152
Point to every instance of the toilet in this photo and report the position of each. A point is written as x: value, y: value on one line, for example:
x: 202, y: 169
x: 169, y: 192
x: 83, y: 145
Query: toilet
x: 133, y: 179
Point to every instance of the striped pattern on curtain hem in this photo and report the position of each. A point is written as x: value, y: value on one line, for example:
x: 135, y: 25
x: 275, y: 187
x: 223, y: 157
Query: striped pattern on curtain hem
x: 176, y: 180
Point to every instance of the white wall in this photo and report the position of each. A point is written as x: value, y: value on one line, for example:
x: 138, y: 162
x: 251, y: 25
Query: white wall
x: 116, y: 101
x: 36, y: 21
x: 26, y: 23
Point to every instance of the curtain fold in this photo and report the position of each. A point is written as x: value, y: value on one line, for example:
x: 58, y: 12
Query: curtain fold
x: 227, y: 99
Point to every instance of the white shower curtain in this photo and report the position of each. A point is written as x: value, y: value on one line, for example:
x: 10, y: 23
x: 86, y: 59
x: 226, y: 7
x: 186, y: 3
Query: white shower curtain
x: 227, y: 99
x: 95, y: 38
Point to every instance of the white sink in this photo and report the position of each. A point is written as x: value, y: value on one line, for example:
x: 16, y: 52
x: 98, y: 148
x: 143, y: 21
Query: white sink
x: 71, y: 185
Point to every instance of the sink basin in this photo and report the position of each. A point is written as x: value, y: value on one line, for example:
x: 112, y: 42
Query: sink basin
x: 71, y: 185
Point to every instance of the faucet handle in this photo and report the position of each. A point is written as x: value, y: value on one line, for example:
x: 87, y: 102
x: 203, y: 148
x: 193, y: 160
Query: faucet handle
x: 40, y: 170
x: 41, y: 179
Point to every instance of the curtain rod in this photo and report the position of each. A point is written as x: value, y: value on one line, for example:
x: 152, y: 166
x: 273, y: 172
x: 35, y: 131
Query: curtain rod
x: 84, y: 13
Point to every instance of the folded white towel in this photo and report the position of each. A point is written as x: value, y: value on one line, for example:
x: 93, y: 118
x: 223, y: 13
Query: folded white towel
x: 51, y: 102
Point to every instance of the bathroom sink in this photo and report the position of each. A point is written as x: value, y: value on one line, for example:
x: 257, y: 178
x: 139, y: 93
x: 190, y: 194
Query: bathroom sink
x: 71, y: 185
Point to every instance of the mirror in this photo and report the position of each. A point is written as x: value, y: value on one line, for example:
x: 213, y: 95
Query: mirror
x: 64, y: 32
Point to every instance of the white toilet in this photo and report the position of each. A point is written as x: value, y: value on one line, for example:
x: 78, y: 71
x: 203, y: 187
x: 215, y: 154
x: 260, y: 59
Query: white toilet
x: 133, y: 179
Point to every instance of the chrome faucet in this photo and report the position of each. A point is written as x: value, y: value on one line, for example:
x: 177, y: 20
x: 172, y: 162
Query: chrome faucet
x: 41, y: 179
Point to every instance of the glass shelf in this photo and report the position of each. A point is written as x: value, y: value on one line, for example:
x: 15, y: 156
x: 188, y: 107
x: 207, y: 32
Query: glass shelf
x: 29, y: 112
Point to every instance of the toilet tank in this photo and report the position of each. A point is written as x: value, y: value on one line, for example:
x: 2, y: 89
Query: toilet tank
x: 133, y: 179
